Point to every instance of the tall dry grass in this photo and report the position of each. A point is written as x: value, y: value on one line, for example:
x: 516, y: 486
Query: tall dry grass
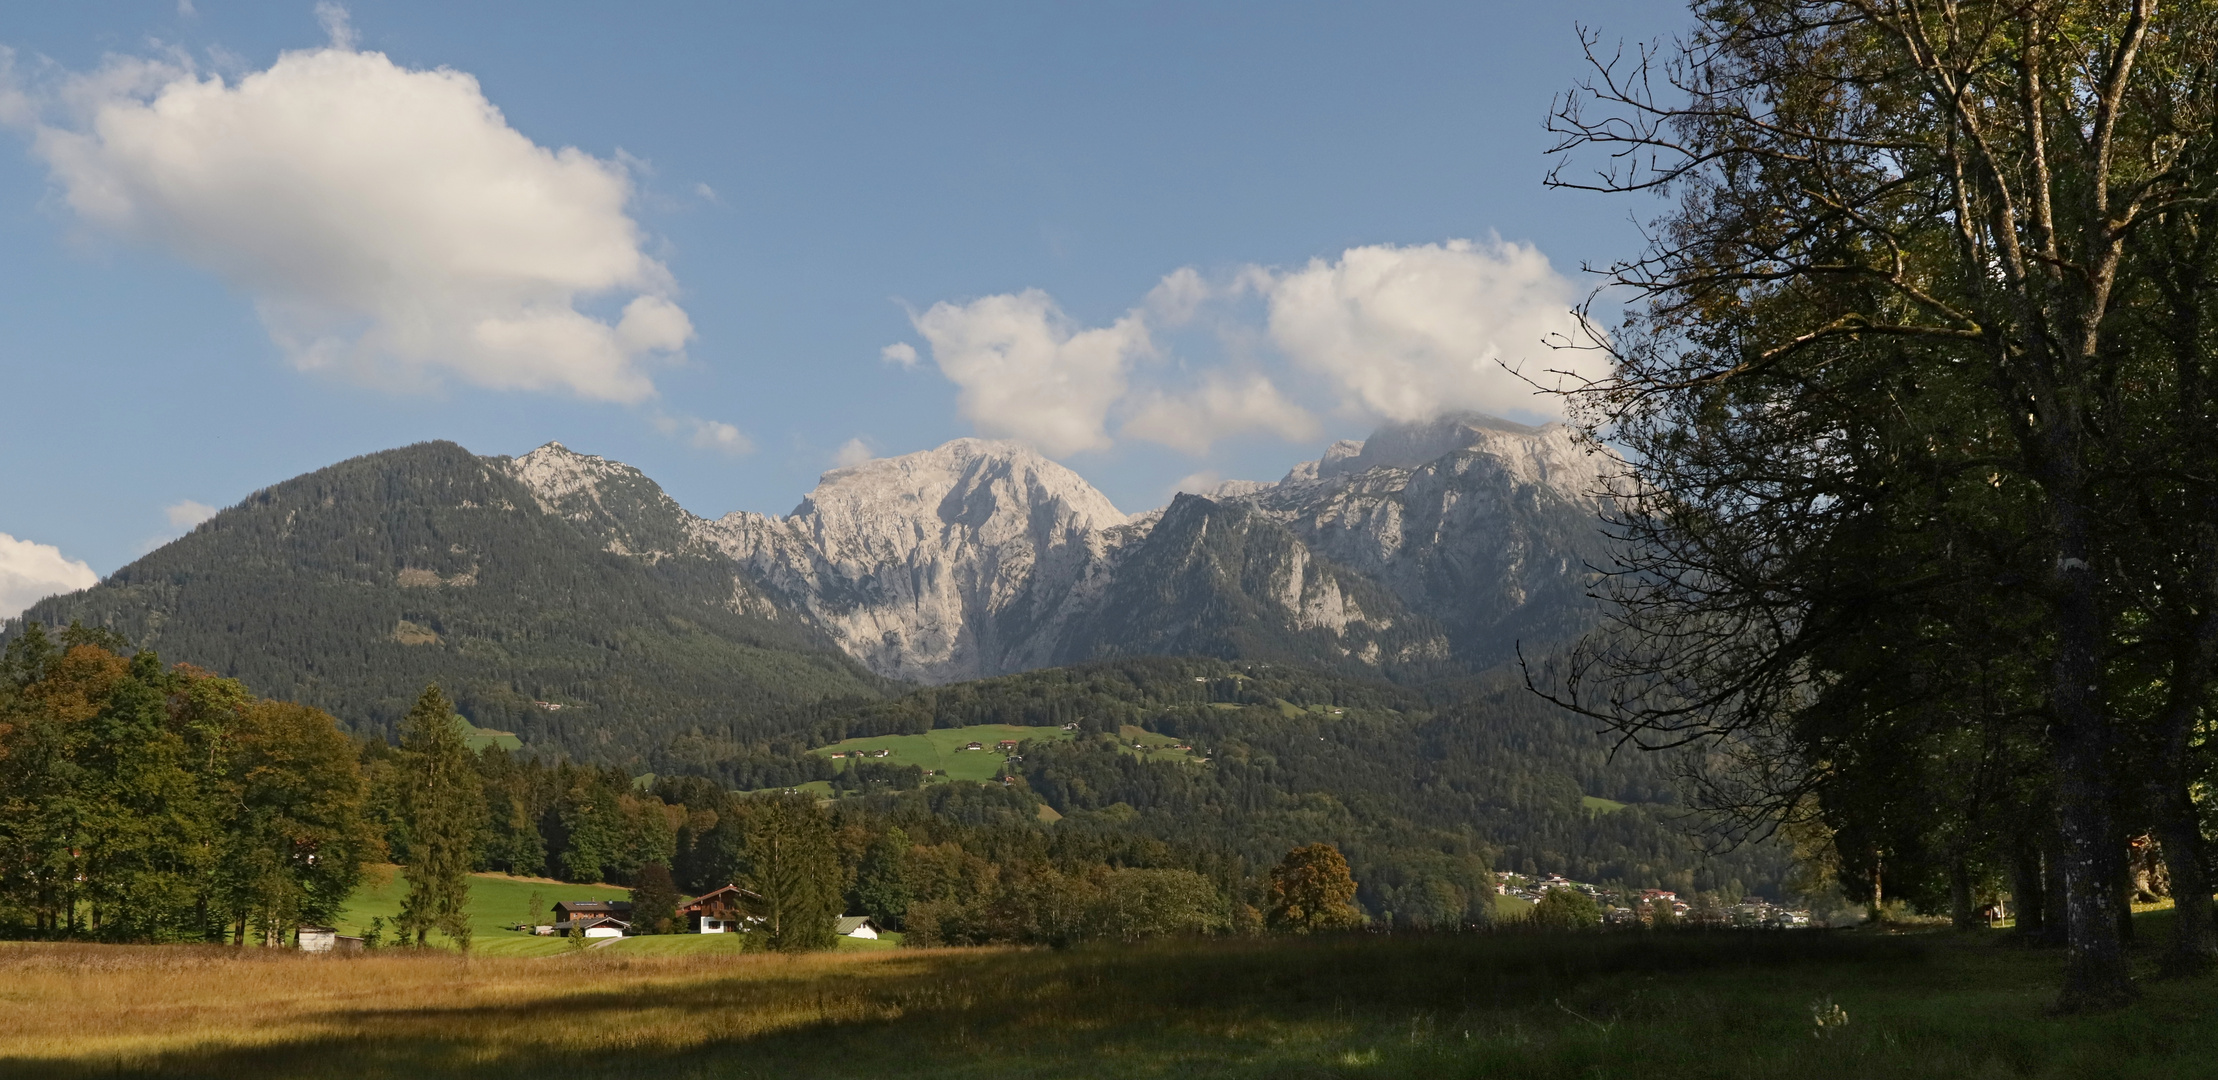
x: 136, y: 1008
x: 1652, y: 1005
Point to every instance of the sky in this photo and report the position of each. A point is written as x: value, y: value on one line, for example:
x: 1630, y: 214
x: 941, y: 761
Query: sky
x: 737, y: 245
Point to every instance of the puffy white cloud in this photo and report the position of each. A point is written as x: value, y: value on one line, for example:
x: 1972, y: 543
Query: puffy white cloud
x: 31, y: 572
x: 854, y: 451
x: 186, y: 514
x: 706, y: 434
x: 388, y: 222
x: 1408, y: 333
x: 1223, y: 405
x: 1026, y: 371
x: 900, y: 352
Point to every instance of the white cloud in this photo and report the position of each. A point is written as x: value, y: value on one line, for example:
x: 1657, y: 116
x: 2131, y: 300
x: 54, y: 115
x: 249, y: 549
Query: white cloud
x: 32, y: 572
x: 1408, y: 333
x: 336, y: 23
x: 387, y: 222
x: 186, y: 514
x: 854, y: 451
x: 1025, y: 371
x: 185, y: 9
x: 706, y: 434
x: 1223, y: 406
x: 900, y: 352
x: 1175, y: 300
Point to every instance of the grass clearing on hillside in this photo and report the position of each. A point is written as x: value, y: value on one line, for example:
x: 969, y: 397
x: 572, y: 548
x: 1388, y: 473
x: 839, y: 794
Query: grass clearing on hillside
x: 942, y: 748
x: 1609, y: 1005
x: 1595, y: 804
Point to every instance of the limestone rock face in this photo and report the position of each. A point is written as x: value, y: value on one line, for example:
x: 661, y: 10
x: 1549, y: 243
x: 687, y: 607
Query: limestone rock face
x: 1424, y: 549
x: 949, y: 564
x: 1483, y: 525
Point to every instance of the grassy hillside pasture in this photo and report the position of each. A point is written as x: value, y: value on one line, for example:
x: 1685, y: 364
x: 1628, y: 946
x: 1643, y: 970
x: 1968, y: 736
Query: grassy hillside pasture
x: 941, y: 749
x: 497, y: 902
x: 1657, y: 1006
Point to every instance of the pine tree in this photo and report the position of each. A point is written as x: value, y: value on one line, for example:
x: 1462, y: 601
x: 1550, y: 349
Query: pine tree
x: 794, y: 867
x: 443, y: 805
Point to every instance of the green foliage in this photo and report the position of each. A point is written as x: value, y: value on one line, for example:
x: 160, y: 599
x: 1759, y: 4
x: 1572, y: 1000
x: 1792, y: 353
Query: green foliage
x: 882, y: 881
x: 1564, y: 908
x: 139, y: 803
x: 654, y: 901
x: 443, y: 807
x: 792, y: 866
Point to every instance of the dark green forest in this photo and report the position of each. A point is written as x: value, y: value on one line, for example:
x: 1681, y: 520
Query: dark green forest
x: 350, y: 588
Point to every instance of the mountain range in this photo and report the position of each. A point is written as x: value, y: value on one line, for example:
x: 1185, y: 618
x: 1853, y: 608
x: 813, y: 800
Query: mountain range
x: 567, y: 597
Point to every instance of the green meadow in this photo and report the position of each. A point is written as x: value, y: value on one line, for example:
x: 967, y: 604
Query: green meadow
x: 498, y: 902
x: 1634, y: 1005
x: 941, y: 749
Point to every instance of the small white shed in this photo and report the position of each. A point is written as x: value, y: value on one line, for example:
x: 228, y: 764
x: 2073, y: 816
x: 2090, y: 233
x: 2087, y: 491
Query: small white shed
x: 317, y: 938
x: 855, y: 926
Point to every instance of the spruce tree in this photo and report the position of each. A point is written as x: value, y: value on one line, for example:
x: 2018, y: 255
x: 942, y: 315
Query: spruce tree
x: 443, y: 806
x: 794, y: 868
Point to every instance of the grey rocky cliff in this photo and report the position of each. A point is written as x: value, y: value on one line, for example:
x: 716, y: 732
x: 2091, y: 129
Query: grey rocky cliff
x: 1484, y: 525
x: 1425, y: 547
x: 953, y: 563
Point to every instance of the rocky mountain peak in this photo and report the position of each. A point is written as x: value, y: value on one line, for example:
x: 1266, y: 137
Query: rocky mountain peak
x: 614, y: 503
x: 1548, y: 455
x: 967, y: 482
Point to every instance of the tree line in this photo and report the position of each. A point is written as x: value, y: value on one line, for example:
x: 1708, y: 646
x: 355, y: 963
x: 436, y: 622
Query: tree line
x: 152, y: 803
x: 1918, y: 531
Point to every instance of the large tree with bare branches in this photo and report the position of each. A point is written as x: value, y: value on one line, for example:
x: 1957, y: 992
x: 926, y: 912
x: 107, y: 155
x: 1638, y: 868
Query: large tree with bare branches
x: 1918, y: 384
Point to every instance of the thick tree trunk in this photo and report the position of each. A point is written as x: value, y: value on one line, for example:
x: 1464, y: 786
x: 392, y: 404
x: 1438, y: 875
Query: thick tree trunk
x: 2194, y: 944
x: 2095, y: 975
x: 2026, y: 889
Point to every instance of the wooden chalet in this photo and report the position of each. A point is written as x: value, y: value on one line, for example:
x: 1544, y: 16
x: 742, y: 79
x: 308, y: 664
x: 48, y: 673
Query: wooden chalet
x: 720, y: 911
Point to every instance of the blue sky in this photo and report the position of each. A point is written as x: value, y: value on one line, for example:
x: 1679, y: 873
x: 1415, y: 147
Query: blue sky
x: 998, y: 197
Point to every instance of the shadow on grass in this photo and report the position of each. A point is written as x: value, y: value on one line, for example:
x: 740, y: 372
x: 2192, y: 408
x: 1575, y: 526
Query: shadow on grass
x: 1326, y: 1006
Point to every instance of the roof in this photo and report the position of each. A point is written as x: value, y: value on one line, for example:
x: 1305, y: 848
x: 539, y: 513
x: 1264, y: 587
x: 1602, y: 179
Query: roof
x: 848, y: 924
x: 727, y: 896
x: 594, y: 905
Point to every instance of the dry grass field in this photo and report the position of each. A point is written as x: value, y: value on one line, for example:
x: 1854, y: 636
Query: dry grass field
x: 1646, y: 1005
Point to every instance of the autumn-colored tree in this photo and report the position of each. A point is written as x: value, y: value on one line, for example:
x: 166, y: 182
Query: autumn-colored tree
x: 1312, y: 891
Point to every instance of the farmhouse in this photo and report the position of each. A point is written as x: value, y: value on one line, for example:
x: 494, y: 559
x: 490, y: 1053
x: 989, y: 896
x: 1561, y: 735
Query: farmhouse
x: 571, y: 910
x: 855, y: 926
x: 974, y: 746
x: 719, y: 911
x: 1006, y: 745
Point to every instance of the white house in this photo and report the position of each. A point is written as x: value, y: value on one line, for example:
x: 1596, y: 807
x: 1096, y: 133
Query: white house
x: 318, y: 939
x: 855, y: 926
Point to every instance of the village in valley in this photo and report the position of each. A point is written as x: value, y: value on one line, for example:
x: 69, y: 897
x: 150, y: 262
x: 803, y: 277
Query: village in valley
x: 1650, y: 907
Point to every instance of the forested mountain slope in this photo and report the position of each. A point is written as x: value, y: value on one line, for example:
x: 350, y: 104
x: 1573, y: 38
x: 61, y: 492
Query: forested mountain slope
x: 352, y: 587
x: 1410, y: 782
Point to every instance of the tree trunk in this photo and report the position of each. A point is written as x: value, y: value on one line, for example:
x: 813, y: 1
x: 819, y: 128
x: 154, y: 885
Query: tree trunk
x: 1960, y: 896
x: 2095, y: 975
x: 2026, y: 889
x: 2194, y: 944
